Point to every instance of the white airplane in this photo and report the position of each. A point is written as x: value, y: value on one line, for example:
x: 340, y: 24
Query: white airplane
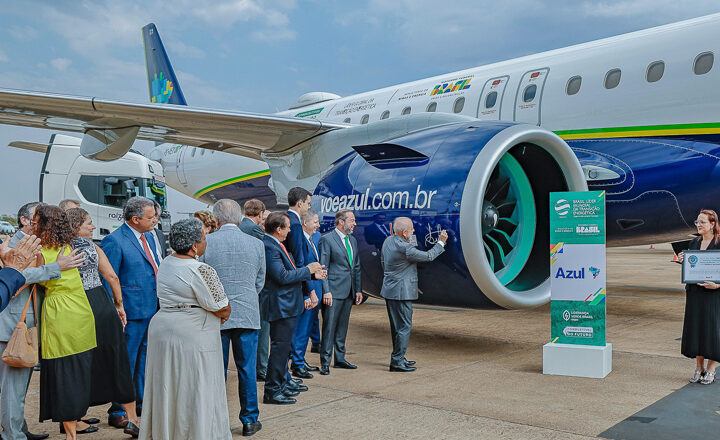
x: 475, y: 152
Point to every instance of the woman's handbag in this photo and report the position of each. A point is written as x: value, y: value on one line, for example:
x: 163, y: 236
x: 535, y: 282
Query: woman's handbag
x: 22, y: 348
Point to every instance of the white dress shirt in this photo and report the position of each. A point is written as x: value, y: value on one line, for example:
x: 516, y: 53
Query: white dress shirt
x: 342, y: 238
x: 138, y: 235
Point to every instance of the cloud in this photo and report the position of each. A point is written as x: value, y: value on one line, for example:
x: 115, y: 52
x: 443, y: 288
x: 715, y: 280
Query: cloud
x: 23, y: 33
x: 60, y: 63
x: 3, y: 57
x: 271, y: 35
x: 186, y: 50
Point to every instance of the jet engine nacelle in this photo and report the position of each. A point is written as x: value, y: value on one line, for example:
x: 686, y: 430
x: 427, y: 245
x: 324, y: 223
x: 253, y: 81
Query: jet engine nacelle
x: 486, y: 183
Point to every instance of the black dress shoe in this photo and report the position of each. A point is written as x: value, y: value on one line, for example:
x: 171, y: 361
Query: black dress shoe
x: 132, y: 429
x: 261, y: 377
x: 89, y: 430
x: 31, y: 436
x: 295, y: 386
x: 278, y: 399
x: 324, y: 370
x: 297, y: 381
x: 302, y: 372
x: 345, y: 364
x: 251, y: 428
x: 91, y: 420
x: 119, y: 422
x: 311, y: 368
x: 315, y: 347
x: 409, y: 363
x: 290, y: 393
x: 402, y: 368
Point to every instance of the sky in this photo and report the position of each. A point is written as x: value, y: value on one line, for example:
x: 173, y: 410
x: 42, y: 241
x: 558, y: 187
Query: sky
x: 261, y: 55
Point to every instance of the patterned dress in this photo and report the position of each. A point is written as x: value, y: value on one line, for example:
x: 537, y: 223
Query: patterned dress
x: 111, y: 378
x: 184, y: 379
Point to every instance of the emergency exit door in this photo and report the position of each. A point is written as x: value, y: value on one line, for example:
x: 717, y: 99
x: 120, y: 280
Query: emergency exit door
x: 528, y: 98
x: 490, y: 104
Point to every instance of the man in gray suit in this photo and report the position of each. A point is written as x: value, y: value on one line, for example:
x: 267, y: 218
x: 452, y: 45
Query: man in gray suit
x: 14, y: 381
x: 252, y: 223
x: 239, y: 261
x: 339, y: 254
x: 399, y: 288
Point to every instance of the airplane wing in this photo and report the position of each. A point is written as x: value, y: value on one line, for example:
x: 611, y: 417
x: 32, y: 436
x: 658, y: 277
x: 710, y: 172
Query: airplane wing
x: 30, y: 146
x: 241, y: 133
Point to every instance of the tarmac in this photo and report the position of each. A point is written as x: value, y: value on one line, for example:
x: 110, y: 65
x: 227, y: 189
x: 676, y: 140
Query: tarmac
x: 480, y: 375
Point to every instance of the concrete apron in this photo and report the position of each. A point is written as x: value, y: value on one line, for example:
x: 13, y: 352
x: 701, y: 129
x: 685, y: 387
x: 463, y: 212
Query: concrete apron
x: 480, y: 372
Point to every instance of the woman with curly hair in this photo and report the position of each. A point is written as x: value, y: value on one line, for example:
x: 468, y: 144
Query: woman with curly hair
x: 111, y: 377
x: 67, y: 333
x: 208, y: 221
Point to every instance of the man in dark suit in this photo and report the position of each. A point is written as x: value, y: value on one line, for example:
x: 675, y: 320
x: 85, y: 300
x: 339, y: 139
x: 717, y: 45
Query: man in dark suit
x: 399, y: 288
x: 303, y: 327
x: 160, y: 240
x: 299, y: 201
x: 281, y: 301
x: 132, y: 252
x: 253, y: 210
x: 339, y: 253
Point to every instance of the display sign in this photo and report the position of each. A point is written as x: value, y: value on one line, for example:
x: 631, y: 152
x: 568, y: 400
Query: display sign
x: 577, y: 267
x: 701, y: 266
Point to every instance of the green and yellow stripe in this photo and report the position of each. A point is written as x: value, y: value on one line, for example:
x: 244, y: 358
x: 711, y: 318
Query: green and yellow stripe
x: 641, y: 131
x: 231, y: 181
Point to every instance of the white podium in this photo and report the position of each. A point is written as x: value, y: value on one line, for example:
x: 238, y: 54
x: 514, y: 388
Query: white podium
x: 594, y: 361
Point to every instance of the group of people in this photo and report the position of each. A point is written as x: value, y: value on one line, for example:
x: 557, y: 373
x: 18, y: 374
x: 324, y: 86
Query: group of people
x: 149, y: 329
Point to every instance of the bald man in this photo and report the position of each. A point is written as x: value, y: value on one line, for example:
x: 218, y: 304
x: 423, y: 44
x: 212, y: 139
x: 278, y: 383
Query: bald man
x: 399, y: 288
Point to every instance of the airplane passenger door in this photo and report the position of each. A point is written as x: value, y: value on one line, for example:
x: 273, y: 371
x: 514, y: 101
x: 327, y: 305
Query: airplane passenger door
x: 180, y: 165
x: 529, y: 96
x: 490, y: 103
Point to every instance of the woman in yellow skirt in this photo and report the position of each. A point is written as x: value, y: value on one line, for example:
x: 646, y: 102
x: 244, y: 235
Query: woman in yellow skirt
x: 67, y: 331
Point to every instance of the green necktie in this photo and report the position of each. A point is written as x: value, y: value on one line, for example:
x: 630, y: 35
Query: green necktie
x: 349, y: 251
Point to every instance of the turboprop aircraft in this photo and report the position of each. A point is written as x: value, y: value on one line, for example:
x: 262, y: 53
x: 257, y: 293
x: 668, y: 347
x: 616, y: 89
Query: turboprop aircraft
x: 475, y: 152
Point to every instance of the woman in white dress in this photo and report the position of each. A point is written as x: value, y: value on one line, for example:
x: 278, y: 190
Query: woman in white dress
x: 184, y: 377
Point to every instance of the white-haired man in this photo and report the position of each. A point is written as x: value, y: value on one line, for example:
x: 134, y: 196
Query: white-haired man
x: 399, y: 288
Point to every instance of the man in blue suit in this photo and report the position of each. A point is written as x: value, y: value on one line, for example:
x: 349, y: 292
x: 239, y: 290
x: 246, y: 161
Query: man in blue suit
x: 281, y: 301
x: 304, y: 324
x: 299, y: 201
x: 133, y: 255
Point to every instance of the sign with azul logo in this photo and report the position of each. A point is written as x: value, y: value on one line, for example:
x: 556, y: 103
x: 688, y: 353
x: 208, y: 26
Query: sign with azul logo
x: 577, y: 267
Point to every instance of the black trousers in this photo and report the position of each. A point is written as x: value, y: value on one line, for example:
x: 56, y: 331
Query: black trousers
x: 281, y: 333
x: 334, y: 330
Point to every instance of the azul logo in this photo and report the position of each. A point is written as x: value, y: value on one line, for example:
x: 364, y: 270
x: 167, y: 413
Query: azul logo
x: 562, y: 207
x: 570, y: 274
x: 451, y: 87
x: 162, y: 89
x: 693, y: 260
x: 594, y: 271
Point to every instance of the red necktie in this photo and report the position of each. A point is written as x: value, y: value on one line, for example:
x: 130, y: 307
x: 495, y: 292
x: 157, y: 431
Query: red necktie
x: 148, y: 253
x: 288, y: 255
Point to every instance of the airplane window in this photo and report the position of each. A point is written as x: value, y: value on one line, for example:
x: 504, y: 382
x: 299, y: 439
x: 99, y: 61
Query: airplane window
x: 431, y: 107
x: 491, y: 100
x: 365, y: 119
x: 202, y: 152
x: 655, y: 71
x: 193, y: 152
x: 612, y: 78
x: 573, y: 85
x: 459, y: 104
x: 529, y: 93
x: 347, y: 120
x: 406, y: 111
x: 385, y: 114
x: 703, y: 63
